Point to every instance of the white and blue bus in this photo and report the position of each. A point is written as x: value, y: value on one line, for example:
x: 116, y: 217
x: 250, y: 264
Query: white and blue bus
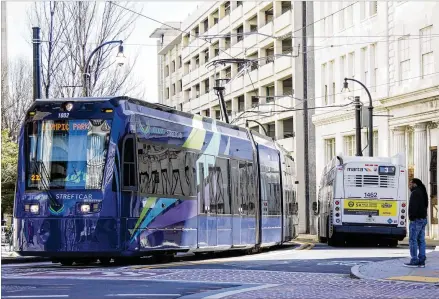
x: 362, y: 197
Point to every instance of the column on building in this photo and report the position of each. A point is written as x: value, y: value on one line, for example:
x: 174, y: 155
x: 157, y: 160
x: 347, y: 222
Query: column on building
x: 398, y: 141
x: 279, y: 128
x: 420, y: 152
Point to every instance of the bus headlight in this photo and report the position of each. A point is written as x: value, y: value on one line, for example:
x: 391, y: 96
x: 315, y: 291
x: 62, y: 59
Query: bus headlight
x: 403, y: 211
x: 85, y: 208
x: 34, y: 208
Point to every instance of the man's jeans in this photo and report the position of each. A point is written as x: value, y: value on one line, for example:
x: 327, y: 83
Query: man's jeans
x: 417, y: 239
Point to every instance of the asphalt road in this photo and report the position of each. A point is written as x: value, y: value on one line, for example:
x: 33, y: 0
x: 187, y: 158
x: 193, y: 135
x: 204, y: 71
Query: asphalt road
x: 316, y: 271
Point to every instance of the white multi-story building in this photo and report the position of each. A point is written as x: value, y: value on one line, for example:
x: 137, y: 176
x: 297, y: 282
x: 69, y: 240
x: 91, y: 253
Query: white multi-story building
x: 260, y: 31
x: 186, y: 82
x: 393, y: 48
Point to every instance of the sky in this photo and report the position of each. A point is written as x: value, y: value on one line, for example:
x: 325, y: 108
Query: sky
x: 19, y: 36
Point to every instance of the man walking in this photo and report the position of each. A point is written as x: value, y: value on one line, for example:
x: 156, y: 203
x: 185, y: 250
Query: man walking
x: 418, y: 220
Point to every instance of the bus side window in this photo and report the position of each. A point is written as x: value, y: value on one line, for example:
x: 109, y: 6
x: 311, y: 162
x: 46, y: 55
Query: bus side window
x: 129, y: 164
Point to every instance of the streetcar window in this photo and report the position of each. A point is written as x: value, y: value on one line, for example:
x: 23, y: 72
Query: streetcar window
x: 66, y: 154
x: 167, y: 171
x: 129, y: 166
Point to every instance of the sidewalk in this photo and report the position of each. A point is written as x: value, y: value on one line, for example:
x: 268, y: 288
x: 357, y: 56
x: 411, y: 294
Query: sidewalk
x: 395, y: 270
x: 430, y: 242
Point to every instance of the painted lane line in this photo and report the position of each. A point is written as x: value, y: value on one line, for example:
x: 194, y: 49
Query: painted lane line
x: 240, y: 290
x: 146, y: 295
x: 37, y: 296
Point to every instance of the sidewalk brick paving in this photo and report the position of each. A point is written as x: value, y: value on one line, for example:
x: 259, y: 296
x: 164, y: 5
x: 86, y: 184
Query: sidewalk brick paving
x: 395, y: 270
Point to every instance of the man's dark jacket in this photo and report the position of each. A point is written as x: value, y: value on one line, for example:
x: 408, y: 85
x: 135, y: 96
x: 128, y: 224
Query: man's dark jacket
x: 418, y: 204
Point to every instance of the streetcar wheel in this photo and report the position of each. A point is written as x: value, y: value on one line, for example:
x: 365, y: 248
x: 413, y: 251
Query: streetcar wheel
x: 105, y: 260
x: 66, y: 262
x: 393, y: 243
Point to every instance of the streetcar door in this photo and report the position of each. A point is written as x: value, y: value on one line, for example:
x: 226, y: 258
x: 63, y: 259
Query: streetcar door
x: 202, y: 207
x: 211, y: 200
x: 236, y: 204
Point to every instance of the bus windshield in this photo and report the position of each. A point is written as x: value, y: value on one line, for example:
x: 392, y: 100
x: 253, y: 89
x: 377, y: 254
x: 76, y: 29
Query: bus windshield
x: 66, y: 154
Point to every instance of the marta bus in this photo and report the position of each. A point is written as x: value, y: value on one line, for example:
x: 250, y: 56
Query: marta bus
x: 362, y: 197
x: 102, y: 178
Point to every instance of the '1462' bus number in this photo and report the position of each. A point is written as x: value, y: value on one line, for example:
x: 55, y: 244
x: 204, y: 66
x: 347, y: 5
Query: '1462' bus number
x: 370, y: 194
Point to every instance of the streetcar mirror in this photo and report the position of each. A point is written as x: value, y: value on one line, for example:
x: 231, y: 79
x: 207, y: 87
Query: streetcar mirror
x: 314, y: 206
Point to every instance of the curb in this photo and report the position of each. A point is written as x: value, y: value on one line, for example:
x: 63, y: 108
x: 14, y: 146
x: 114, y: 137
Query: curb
x: 22, y: 260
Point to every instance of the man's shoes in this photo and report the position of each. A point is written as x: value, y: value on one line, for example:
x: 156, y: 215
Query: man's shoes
x: 412, y: 264
x: 421, y: 264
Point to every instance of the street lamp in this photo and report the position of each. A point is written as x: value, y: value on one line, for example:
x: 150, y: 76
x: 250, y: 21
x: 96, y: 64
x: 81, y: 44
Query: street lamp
x: 120, y: 60
x: 370, y: 108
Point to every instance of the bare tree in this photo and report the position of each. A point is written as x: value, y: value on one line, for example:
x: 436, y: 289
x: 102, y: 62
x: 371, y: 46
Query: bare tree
x: 18, y: 97
x: 70, y: 32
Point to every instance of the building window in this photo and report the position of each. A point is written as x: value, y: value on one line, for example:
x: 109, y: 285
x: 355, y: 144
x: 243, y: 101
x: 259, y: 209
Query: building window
x: 341, y: 23
x: 227, y: 42
x: 287, y: 45
x: 342, y: 71
x: 180, y: 85
x: 173, y: 89
x: 324, y: 85
x: 240, y: 33
x: 329, y: 149
x: 227, y: 8
x: 206, y: 86
x: 197, y: 90
x: 375, y: 143
x: 350, y: 15
x: 167, y: 71
x: 404, y: 58
x: 331, y: 80
x: 323, y: 16
x: 206, y: 25
x: 349, y: 145
x: 241, y: 104
x: 269, y: 15
x: 362, y: 10
x: 365, y: 66
x: 180, y: 62
x: 172, y: 66
x: 206, y: 55
x: 271, y: 130
x: 288, y: 127
x: 351, y: 65
x: 427, y: 60
x: 373, y: 8
x: 373, y: 67
x: 285, y: 6
x: 167, y: 93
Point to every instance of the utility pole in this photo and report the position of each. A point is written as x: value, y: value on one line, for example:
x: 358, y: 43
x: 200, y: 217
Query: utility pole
x: 358, y: 125
x: 305, y: 114
x: 370, y: 108
x: 220, y: 93
x: 36, y: 41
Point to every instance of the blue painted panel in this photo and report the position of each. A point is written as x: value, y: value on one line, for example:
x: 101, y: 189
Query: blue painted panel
x: 67, y: 234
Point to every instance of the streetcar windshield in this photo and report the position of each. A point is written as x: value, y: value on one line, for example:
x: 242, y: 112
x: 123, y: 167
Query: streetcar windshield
x: 66, y: 154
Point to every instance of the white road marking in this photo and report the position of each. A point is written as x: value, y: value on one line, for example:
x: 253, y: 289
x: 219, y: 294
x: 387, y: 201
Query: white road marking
x: 225, y: 294
x: 37, y: 296
x: 146, y: 295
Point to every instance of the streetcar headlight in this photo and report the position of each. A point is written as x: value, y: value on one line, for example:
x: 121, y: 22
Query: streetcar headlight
x: 402, y: 211
x: 85, y: 208
x: 34, y: 209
